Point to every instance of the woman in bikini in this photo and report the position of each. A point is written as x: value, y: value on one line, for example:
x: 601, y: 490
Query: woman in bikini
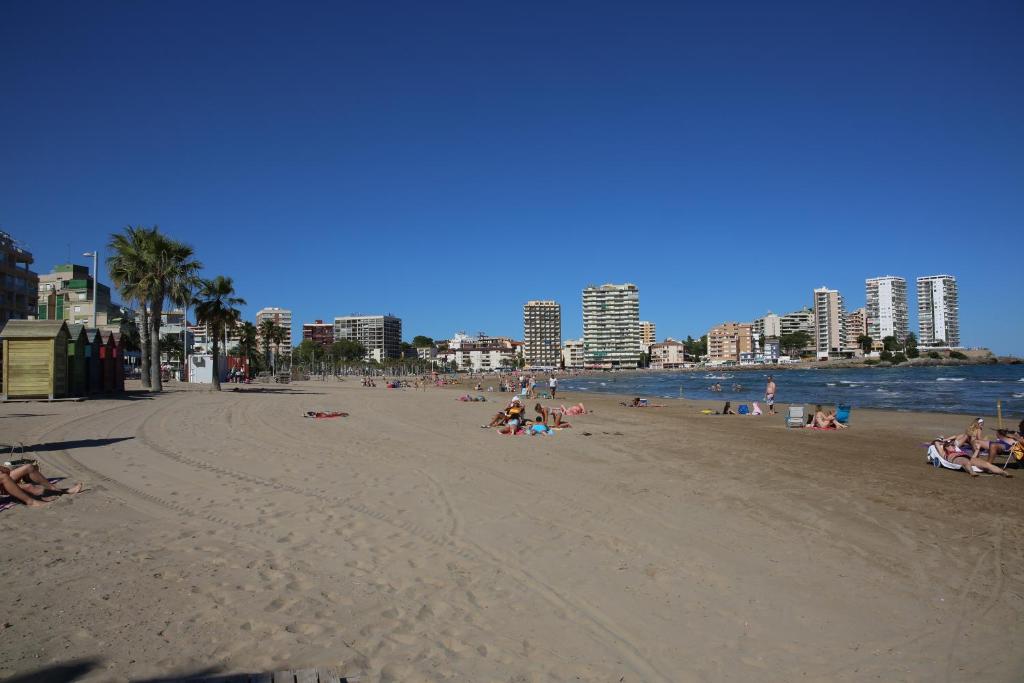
x: 952, y: 453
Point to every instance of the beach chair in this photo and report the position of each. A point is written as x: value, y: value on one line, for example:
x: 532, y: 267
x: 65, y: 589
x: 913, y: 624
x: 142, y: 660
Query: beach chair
x: 935, y: 459
x: 1015, y: 453
x: 795, y: 416
x: 843, y: 414
x: 743, y: 409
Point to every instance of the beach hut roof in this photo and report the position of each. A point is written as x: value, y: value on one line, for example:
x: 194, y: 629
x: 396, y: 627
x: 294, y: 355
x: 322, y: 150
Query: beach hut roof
x: 32, y: 329
x: 75, y: 330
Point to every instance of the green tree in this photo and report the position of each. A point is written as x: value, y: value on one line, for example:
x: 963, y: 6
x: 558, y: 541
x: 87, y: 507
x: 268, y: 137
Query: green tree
x: 899, y: 357
x: 910, y: 344
x: 407, y: 350
x: 272, y: 335
x: 216, y: 307
x: 890, y: 343
x: 795, y: 342
x: 248, y: 344
x: 420, y: 342
x: 172, y: 345
x: 305, y: 353
x: 127, y: 267
x: 865, y: 341
x: 348, y: 350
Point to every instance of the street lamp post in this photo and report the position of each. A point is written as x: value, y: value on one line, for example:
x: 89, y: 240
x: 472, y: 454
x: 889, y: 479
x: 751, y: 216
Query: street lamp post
x: 95, y: 279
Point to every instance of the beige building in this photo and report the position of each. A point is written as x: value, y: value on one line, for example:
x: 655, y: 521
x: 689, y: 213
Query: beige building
x: 770, y: 326
x: 829, y: 323
x: 282, y: 317
x: 648, y: 335
x: 380, y: 335
x: 856, y: 325
x: 542, y: 333
x: 572, y: 353
x: 727, y: 341
x: 66, y: 293
x: 668, y: 355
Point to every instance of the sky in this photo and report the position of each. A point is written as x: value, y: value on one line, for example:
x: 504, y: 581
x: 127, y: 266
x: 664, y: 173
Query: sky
x: 446, y: 162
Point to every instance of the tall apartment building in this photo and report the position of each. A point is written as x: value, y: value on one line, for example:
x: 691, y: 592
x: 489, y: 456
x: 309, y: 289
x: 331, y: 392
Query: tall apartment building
x: 381, y: 335
x: 19, y: 286
x: 572, y: 353
x: 727, y: 341
x: 65, y: 293
x: 542, y: 333
x: 282, y: 317
x: 887, y: 313
x: 829, y: 323
x: 611, y: 326
x: 797, y: 321
x: 856, y: 326
x: 938, y: 311
x: 648, y: 335
x: 770, y: 326
x: 319, y: 332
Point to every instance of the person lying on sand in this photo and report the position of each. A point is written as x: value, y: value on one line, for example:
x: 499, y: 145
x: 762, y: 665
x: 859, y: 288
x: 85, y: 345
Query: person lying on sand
x: 26, y: 484
x: 578, y: 409
x: 952, y: 453
x: 823, y: 420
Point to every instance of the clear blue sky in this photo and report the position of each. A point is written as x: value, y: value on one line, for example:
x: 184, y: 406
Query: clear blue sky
x: 448, y: 161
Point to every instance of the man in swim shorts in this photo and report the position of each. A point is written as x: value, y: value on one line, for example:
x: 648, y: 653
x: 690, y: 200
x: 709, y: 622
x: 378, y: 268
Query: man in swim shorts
x: 769, y: 395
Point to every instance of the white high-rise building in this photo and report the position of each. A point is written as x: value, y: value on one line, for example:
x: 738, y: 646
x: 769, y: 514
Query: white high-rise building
x: 938, y: 311
x: 611, y: 326
x: 380, y: 335
x: 886, y: 309
x: 282, y: 317
x: 829, y: 322
x: 542, y: 333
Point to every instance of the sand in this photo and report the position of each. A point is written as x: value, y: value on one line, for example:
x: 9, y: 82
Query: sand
x: 225, y: 532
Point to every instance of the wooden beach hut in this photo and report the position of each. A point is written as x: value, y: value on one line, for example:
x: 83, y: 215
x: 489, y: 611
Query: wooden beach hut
x: 118, y: 361
x: 93, y: 381
x: 35, y: 359
x: 106, y: 356
x: 77, y: 369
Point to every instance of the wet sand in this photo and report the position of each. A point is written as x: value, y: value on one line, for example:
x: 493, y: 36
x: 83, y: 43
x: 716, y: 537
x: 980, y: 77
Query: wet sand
x: 404, y: 543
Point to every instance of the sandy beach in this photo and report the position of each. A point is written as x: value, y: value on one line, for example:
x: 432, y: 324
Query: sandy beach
x: 225, y: 532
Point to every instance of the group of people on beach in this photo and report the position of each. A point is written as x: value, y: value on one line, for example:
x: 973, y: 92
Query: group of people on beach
x: 512, y: 419
x: 965, y: 449
x: 22, y: 481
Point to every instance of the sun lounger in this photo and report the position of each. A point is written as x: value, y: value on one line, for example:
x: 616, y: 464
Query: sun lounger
x: 935, y: 459
x: 795, y: 416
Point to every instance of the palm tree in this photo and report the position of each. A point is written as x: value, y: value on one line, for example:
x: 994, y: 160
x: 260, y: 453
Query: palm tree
x: 172, y: 275
x: 215, y: 305
x: 127, y: 267
x: 248, y: 342
x: 271, y: 333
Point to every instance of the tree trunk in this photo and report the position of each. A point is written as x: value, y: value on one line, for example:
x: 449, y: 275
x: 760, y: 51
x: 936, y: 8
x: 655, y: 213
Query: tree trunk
x: 216, y: 369
x: 154, y: 356
x: 144, y: 344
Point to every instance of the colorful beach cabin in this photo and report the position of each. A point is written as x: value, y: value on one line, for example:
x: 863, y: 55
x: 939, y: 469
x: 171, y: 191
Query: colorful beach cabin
x: 107, y: 361
x: 118, y: 344
x: 93, y: 376
x: 35, y: 359
x: 77, y: 369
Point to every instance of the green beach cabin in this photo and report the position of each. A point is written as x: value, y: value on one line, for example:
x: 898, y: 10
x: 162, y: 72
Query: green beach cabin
x: 35, y: 359
x: 77, y: 368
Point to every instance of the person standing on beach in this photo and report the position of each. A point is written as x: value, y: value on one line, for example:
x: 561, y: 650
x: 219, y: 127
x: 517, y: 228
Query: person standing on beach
x: 769, y: 395
x: 553, y: 385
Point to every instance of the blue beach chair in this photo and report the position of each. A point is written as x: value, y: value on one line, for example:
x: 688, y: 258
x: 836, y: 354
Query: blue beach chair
x: 843, y: 414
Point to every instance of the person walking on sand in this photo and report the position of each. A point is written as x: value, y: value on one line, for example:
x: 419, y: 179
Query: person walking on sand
x: 769, y: 395
x: 553, y: 385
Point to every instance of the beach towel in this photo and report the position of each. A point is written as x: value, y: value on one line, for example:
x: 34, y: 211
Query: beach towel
x: 935, y: 459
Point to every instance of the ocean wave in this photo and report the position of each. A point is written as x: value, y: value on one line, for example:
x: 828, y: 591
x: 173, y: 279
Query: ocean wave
x: 830, y: 384
x: 1018, y: 395
x: 950, y: 379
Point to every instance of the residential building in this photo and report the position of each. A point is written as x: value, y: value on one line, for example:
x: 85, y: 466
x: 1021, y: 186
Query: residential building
x: 572, y: 353
x: 856, y: 326
x: 886, y: 309
x: 542, y: 333
x: 726, y: 342
x: 480, y: 358
x: 282, y: 317
x: 611, y: 326
x: 66, y: 293
x: 648, y: 335
x: 829, y: 323
x: 381, y: 335
x: 938, y: 311
x: 668, y: 355
x: 19, y: 286
x: 318, y: 332
x: 770, y: 326
x: 797, y: 321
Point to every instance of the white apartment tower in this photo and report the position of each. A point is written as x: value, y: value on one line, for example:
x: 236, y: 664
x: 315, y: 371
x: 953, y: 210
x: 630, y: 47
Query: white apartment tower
x: 886, y: 309
x: 542, y: 333
x: 938, y: 311
x: 829, y: 322
x: 282, y: 317
x: 380, y: 335
x: 611, y: 326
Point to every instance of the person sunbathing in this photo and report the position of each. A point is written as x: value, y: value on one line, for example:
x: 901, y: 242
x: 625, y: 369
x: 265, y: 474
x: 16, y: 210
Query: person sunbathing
x: 977, y: 441
x: 577, y: 409
x: 552, y: 418
x: 952, y: 453
x: 26, y: 484
x: 513, y: 410
x: 727, y: 409
x: 823, y: 420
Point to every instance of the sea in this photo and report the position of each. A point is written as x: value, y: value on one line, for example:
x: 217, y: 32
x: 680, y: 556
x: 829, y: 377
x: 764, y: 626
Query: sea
x: 968, y: 389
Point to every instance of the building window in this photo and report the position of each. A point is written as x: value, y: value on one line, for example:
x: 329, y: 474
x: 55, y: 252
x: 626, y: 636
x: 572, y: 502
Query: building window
x: 81, y: 296
x: 78, y: 309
